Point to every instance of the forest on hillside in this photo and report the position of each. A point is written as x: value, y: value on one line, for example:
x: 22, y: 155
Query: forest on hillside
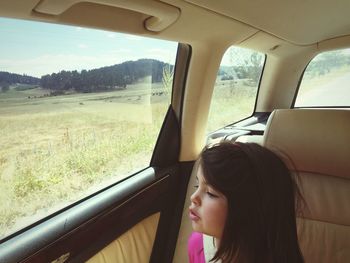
x: 106, y: 78
x: 101, y: 79
x: 7, y: 79
x: 118, y: 76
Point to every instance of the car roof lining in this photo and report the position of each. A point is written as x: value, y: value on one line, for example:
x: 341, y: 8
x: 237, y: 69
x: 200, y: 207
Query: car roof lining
x: 161, y: 15
x: 299, y: 22
x: 225, y: 22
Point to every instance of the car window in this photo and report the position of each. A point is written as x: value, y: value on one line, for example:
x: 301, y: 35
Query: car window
x: 236, y: 87
x: 79, y: 109
x: 325, y: 82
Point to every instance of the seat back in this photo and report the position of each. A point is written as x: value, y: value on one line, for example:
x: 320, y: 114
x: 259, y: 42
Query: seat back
x: 315, y: 144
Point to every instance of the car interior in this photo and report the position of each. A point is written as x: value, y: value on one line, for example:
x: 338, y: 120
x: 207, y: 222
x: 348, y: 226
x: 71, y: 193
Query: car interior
x: 144, y: 217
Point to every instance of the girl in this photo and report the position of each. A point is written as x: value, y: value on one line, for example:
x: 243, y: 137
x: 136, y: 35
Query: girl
x: 245, y: 199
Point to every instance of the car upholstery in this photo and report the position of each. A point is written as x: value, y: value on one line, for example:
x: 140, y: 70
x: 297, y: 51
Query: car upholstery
x: 315, y: 145
x: 133, y: 246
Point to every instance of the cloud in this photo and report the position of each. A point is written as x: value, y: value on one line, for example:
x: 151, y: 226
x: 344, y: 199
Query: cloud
x: 132, y: 37
x: 82, y: 46
x: 82, y: 29
x: 48, y: 64
x: 161, y: 54
x: 111, y: 35
x: 121, y: 50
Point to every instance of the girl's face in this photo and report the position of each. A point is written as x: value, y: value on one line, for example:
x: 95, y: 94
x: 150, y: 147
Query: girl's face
x: 208, y: 209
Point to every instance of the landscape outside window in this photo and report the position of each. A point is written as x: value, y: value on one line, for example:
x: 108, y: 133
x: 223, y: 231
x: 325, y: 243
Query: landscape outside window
x: 236, y: 87
x: 79, y: 109
x: 326, y: 81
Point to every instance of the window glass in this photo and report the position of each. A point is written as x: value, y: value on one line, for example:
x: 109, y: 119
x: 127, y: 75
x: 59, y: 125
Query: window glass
x: 79, y: 109
x: 326, y: 81
x: 236, y: 87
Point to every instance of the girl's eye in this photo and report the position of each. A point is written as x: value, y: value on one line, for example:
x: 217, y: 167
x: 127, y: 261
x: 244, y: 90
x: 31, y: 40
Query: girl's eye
x: 211, y: 195
x: 196, y: 186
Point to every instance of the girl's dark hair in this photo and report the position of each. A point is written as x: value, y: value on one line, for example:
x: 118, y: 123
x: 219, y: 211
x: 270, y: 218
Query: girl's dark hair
x: 261, y: 195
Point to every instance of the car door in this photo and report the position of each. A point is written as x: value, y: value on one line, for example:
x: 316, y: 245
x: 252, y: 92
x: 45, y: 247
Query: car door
x: 139, y: 213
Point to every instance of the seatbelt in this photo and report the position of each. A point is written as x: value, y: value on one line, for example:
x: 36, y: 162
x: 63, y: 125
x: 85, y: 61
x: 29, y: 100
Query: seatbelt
x: 209, y: 248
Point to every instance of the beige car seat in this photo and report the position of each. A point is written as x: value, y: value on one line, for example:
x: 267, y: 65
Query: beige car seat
x: 316, y: 145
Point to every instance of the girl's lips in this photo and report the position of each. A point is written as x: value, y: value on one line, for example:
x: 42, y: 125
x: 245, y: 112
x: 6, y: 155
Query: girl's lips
x: 193, y: 216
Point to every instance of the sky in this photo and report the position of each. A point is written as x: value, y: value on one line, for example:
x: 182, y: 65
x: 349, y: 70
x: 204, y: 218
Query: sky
x: 37, y: 49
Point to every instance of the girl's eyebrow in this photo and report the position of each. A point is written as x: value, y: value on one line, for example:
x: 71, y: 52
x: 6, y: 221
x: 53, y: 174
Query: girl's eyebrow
x: 204, y: 182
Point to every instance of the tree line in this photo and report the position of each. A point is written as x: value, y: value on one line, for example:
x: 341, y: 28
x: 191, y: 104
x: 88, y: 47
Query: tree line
x: 245, y: 65
x: 328, y: 61
x: 101, y: 79
x: 104, y: 79
x: 7, y: 79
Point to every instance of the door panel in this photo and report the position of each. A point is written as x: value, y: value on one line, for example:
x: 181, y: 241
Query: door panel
x: 133, y: 246
x: 88, y: 226
x: 170, y: 220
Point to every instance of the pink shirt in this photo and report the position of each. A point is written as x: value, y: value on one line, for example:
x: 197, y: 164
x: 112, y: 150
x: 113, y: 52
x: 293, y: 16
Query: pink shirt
x: 195, y: 248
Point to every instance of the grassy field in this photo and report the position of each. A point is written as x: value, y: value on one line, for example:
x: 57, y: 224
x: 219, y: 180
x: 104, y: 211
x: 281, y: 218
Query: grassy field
x: 54, y: 150
x: 231, y: 102
x: 313, y: 80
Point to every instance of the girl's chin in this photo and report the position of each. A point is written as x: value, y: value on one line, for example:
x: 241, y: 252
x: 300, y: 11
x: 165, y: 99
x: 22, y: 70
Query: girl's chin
x: 196, y: 227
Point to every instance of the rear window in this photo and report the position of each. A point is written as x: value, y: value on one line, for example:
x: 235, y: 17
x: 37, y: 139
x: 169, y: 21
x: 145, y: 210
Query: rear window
x: 236, y: 87
x: 326, y: 81
x: 79, y: 109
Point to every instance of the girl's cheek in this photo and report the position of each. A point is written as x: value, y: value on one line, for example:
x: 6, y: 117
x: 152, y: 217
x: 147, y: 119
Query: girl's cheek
x: 214, y: 206
x: 219, y: 208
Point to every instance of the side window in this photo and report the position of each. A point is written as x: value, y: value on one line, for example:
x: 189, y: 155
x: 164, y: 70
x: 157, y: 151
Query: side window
x: 79, y: 109
x: 235, y: 88
x: 326, y: 80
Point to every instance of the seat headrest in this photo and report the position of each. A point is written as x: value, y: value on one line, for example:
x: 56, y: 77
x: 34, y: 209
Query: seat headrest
x: 311, y: 140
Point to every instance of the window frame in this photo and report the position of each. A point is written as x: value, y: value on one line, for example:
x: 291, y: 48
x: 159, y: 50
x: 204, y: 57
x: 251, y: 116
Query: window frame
x: 88, y: 195
x: 299, y: 84
x: 158, y: 188
x: 252, y: 115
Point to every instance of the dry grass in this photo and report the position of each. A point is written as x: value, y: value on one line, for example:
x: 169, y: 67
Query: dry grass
x: 54, y: 149
x: 311, y: 80
x: 231, y: 102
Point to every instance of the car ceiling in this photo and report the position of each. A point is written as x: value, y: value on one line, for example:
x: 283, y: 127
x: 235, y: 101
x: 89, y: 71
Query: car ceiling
x: 299, y: 22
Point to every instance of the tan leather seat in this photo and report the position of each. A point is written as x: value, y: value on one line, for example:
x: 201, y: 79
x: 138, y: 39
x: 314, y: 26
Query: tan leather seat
x: 135, y: 245
x: 251, y: 139
x: 316, y: 145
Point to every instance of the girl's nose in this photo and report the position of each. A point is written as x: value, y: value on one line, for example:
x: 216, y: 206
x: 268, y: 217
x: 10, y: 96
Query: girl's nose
x: 195, y: 199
